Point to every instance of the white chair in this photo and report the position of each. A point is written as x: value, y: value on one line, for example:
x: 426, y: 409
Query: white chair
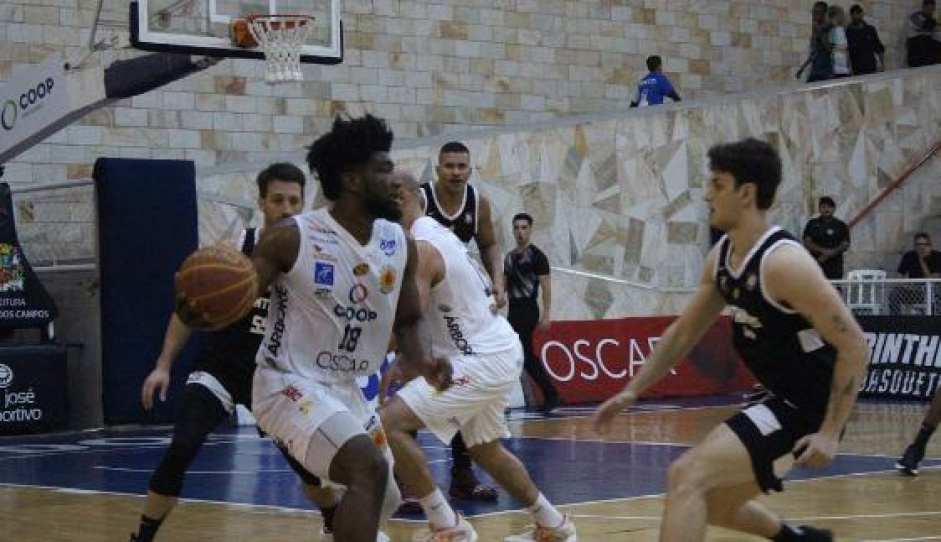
x: 865, y: 291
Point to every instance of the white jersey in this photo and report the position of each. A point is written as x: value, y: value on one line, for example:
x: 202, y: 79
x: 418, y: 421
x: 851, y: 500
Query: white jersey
x: 462, y: 313
x: 330, y: 316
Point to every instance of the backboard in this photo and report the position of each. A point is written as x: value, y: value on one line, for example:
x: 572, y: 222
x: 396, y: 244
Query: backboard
x: 202, y: 26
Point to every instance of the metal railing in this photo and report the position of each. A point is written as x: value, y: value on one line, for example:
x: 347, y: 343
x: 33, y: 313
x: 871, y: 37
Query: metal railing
x: 891, y: 297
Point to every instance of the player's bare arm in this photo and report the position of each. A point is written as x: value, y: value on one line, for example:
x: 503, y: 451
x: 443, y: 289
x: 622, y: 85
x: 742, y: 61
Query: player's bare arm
x: 276, y: 252
x: 489, y: 251
x: 415, y: 359
x: 677, y: 341
x: 794, y: 280
x: 545, y: 286
x: 158, y: 381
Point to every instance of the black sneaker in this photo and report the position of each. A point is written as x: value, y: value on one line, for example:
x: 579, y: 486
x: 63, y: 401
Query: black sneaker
x: 908, y: 463
x: 814, y: 534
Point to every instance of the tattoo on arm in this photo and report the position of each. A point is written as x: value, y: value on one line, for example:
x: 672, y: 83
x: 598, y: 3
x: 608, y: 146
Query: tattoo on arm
x: 840, y: 324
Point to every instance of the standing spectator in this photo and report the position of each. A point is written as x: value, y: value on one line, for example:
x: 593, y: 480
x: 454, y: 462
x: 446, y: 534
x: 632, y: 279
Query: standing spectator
x: 654, y: 86
x: 864, y: 44
x: 839, y: 48
x: 922, y: 45
x: 527, y: 269
x: 819, y: 60
x: 827, y: 238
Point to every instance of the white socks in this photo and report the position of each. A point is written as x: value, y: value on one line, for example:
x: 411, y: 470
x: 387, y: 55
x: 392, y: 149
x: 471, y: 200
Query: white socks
x: 437, y: 510
x: 546, y: 515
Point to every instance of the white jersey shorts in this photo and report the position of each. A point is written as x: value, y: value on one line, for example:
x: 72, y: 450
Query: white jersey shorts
x: 293, y: 410
x: 475, y: 403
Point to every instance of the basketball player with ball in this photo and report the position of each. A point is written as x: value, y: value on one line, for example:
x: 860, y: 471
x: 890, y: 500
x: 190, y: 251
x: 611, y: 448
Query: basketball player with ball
x: 222, y: 376
x: 341, y: 279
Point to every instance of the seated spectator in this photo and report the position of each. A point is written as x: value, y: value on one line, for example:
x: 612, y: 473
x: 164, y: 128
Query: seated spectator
x: 923, y: 45
x: 654, y: 86
x: 865, y: 47
x: 921, y: 263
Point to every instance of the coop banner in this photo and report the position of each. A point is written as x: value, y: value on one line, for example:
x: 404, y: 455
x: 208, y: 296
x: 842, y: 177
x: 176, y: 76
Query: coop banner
x: 24, y: 302
x: 590, y: 361
x: 905, y: 356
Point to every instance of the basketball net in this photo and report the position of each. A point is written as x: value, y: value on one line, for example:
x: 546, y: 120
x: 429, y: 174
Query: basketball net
x: 281, y: 38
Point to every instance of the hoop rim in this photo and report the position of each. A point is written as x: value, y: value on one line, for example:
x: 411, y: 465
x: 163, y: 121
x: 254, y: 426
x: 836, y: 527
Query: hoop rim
x: 256, y: 16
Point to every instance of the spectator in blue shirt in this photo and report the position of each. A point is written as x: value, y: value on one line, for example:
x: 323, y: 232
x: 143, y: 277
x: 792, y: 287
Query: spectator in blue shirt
x: 654, y: 86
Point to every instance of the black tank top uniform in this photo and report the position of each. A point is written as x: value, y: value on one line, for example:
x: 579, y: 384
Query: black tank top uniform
x: 464, y: 222
x: 779, y: 346
x: 229, y: 354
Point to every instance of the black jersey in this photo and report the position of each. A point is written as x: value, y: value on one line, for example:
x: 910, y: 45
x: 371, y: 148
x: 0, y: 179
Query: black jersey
x: 229, y: 354
x: 463, y: 223
x: 523, y: 269
x: 779, y: 346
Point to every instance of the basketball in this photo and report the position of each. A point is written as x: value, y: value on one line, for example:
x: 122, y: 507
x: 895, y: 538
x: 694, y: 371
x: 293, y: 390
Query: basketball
x: 240, y: 35
x: 219, y: 282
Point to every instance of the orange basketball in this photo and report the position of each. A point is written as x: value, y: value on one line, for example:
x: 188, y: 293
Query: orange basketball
x: 218, y: 282
x: 240, y: 35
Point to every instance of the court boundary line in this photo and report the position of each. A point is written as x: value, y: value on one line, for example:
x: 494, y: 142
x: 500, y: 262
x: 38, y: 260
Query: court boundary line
x: 288, y: 509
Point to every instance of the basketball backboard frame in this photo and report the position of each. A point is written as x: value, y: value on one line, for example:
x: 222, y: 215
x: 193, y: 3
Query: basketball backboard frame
x: 142, y: 37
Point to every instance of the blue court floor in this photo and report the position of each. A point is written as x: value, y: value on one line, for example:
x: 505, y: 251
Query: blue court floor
x: 236, y: 466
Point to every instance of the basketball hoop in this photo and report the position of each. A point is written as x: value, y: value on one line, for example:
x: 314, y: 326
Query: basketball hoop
x: 281, y: 37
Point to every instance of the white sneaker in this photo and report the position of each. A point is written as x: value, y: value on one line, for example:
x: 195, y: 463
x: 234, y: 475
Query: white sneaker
x: 562, y: 533
x: 462, y: 532
x: 328, y: 537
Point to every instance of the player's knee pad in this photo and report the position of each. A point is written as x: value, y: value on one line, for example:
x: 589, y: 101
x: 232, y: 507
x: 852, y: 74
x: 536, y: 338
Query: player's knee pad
x: 200, y: 412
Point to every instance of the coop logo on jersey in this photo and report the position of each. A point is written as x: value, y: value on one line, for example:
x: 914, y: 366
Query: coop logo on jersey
x: 387, y: 279
x: 358, y: 293
x: 354, y: 314
x: 387, y: 246
x: 6, y: 375
x: 323, y: 274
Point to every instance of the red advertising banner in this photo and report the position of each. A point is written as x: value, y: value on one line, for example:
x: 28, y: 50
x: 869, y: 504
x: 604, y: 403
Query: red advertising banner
x: 592, y: 360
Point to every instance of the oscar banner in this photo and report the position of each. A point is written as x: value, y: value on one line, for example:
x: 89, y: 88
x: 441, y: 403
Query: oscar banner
x: 591, y: 360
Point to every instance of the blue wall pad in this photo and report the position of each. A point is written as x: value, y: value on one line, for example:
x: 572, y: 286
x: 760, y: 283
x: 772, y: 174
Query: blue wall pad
x: 147, y: 225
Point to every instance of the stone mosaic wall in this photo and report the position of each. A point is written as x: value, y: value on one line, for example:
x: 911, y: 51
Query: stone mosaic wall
x: 618, y: 202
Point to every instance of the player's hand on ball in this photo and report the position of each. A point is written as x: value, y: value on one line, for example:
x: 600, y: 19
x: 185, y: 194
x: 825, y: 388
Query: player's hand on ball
x: 603, y: 416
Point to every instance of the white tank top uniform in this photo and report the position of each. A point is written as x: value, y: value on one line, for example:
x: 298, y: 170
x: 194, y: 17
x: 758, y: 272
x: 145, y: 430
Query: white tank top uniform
x: 329, y: 321
x: 480, y: 343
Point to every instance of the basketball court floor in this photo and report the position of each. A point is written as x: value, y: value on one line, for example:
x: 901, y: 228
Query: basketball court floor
x: 87, y: 486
